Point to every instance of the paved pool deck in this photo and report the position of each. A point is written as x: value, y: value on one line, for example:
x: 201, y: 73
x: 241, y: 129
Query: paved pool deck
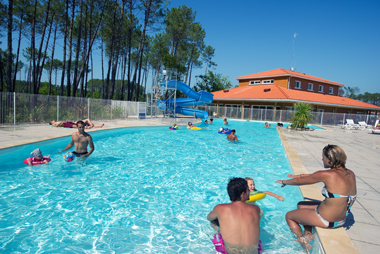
x: 363, y: 157
x: 304, y: 149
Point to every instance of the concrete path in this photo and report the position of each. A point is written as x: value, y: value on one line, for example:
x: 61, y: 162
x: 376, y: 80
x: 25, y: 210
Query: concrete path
x: 363, y: 157
x: 26, y: 133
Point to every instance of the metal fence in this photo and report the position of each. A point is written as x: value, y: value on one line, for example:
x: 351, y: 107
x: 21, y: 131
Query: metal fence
x: 18, y: 108
x: 271, y: 115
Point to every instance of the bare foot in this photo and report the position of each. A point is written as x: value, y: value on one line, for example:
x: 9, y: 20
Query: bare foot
x: 308, y: 236
x: 305, y: 244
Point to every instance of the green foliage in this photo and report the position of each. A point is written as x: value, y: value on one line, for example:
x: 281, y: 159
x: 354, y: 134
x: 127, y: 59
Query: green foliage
x: 350, y: 92
x: 212, y: 82
x: 302, y: 115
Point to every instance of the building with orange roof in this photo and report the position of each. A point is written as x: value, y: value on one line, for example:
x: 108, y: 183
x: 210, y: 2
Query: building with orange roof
x: 279, y: 89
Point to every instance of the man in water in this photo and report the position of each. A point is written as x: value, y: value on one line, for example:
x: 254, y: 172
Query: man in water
x: 80, y: 140
x: 239, y: 222
x: 232, y: 136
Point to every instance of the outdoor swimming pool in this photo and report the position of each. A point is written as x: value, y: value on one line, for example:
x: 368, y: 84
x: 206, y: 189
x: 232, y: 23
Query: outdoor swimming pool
x: 143, y: 190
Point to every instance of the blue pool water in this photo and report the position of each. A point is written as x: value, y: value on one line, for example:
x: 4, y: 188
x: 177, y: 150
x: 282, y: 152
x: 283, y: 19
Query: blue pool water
x: 143, y: 190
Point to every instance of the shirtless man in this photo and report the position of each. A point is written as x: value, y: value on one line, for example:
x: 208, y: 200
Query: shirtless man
x: 232, y: 136
x: 80, y: 140
x: 239, y: 222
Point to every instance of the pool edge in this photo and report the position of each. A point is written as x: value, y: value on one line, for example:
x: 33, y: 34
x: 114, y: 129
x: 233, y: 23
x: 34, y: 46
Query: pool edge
x: 333, y: 241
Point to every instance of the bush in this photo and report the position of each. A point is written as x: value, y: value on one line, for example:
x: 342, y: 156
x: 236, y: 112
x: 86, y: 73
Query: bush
x: 302, y: 115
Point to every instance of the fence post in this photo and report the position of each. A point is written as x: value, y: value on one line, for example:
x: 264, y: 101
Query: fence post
x: 138, y: 111
x: 280, y: 115
x: 88, y: 111
x: 367, y: 119
x: 111, y: 109
x: 14, y: 108
x: 57, y: 108
x: 344, y: 118
x: 322, y: 118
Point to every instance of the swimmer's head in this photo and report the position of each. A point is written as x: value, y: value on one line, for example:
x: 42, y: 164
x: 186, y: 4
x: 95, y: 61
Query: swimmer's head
x: 211, y: 120
x: 236, y: 187
x: 251, y: 184
x: 36, y: 154
x: 233, y: 131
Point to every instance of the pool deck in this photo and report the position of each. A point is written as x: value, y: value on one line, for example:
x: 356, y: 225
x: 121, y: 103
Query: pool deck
x: 304, y: 150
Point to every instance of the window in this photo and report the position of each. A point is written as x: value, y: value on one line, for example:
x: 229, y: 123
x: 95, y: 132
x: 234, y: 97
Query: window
x: 310, y: 87
x: 271, y: 81
x: 331, y: 90
x: 297, y: 85
x: 288, y: 108
x: 320, y: 89
x: 254, y: 82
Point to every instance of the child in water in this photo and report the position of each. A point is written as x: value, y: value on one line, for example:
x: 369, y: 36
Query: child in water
x: 37, y: 157
x: 251, y: 186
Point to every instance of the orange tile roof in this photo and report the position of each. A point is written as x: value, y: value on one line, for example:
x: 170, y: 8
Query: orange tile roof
x: 284, y: 72
x: 278, y: 93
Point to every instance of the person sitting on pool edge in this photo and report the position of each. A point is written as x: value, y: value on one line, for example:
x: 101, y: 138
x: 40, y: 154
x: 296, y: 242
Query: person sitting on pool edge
x: 225, y: 121
x: 80, y: 140
x: 238, y: 222
x: 232, y: 136
x: 339, y: 192
x: 251, y: 186
x: 37, y: 156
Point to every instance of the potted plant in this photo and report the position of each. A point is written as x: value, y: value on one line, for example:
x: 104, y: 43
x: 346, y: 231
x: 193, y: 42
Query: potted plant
x: 302, y: 115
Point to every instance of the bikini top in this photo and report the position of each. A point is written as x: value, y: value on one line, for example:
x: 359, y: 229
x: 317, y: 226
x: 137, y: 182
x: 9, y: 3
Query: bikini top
x: 350, y: 199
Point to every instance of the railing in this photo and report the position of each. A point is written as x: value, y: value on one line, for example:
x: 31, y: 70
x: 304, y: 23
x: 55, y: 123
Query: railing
x: 18, y: 108
x: 271, y: 115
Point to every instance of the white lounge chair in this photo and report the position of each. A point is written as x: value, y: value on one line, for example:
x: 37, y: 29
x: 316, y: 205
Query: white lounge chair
x: 363, y: 125
x: 350, y: 124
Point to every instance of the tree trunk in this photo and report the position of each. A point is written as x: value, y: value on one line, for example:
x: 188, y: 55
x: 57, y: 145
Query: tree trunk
x: 45, y: 54
x: 77, y: 51
x: 116, y: 58
x: 90, y: 47
x: 33, y: 45
x: 141, y: 48
x: 103, y: 87
x: 9, y: 49
x: 129, y: 86
x: 1, y: 73
x: 111, y: 55
x: 123, y: 77
x: 83, y: 91
x: 52, y: 59
x: 18, y: 50
x: 64, y: 47
x: 70, y: 50
x: 37, y: 73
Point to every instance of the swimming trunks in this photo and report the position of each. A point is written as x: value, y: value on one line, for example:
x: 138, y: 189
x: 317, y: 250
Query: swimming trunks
x: 243, y: 249
x: 79, y: 154
x: 350, y: 202
x: 68, y: 125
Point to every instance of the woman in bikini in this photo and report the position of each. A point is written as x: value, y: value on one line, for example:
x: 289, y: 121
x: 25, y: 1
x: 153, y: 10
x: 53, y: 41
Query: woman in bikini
x: 339, y: 192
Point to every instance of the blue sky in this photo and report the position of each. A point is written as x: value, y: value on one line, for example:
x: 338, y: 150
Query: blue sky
x: 337, y: 40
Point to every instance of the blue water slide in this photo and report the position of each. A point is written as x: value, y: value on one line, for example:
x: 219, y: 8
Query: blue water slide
x: 195, y: 99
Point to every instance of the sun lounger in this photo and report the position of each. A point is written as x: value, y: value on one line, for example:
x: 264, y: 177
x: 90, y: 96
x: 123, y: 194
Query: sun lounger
x: 363, y: 125
x: 350, y: 124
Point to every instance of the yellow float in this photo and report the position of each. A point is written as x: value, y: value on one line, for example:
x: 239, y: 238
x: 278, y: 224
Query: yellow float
x: 255, y: 196
x: 194, y: 128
